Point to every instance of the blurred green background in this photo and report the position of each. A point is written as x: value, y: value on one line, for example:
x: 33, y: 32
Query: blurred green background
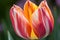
x: 6, y: 30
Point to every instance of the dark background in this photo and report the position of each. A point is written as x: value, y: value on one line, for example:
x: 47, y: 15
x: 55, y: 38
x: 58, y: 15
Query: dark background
x: 6, y: 30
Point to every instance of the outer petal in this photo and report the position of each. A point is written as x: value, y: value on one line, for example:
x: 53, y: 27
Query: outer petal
x: 19, y: 22
x: 42, y: 20
x: 48, y: 12
x: 38, y: 25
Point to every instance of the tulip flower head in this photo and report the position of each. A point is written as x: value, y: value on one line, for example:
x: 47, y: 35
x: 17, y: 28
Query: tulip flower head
x: 32, y: 22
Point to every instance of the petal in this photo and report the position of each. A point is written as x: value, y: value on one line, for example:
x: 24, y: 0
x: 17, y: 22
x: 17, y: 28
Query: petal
x: 48, y: 11
x: 19, y: 22
x: 44, y: 5
x: 42, y: 20
x: 38, y: 25
x: 29, y: 8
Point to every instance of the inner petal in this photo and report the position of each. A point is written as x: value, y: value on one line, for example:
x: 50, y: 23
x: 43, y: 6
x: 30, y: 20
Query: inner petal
x: 29, y: 8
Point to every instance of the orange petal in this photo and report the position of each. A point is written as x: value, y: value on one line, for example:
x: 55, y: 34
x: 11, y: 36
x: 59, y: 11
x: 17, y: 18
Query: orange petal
x: 29, y: 8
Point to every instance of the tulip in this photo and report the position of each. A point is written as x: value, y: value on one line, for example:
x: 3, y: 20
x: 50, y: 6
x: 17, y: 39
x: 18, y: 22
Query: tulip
x: 32, y: 22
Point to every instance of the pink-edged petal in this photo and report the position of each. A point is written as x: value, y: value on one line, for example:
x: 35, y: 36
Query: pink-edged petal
x: 38, y: 25
x: 19, y: 22
x: 48, y: 11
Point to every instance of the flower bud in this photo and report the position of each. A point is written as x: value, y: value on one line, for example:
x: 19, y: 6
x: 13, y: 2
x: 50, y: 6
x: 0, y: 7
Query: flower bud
x: 33, y: 22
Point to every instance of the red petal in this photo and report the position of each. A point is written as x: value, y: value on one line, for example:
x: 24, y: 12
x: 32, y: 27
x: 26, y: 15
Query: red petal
x: 19, y: 22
